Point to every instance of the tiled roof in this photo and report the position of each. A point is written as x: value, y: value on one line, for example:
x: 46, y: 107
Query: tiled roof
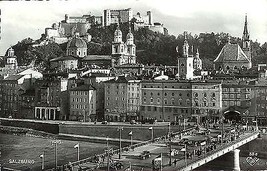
x: 63, y: 58
x: 13, y: 77
x: 84, y: 87
x: 120, y: 79
x: 231, y: 52
x: 96, y: 57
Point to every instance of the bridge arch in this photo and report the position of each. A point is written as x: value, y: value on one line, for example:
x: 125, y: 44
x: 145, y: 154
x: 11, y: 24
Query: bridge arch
x: 232, y: 115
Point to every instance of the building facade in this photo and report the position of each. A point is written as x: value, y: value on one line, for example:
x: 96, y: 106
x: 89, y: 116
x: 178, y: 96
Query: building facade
x: 83, y: 103
x: 122, y: 96
x: 117, y: 16
x: 171, y: 100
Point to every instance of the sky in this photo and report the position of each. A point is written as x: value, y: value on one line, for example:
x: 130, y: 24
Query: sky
x: 23, y: 19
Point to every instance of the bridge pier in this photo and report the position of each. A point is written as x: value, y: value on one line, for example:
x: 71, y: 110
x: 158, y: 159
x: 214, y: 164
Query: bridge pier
x: 236, y: 164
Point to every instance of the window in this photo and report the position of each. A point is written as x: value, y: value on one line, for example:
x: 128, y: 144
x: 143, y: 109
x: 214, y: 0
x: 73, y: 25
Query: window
x: 165, y: 101
x: 151, y: 94
x: 165, y: 94
x: 172, y: 94
x: 205, y: 94
x: 148, y: 108
x: 155, y: 108
x: 144, y: 100
x: 158, y: 100
x: 151, y: 100
x: 213, y: 104
x: 196, y: 94
x: 213, y: 94
x: 172, y: 101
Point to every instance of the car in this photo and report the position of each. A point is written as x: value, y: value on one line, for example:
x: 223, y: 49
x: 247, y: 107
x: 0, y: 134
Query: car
x: 132, y: 122
x: 105, y: 122
x: 145, y: 155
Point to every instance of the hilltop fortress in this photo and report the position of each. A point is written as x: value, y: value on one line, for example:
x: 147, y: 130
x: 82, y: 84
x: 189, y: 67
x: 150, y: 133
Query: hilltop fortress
x: 60, y: 32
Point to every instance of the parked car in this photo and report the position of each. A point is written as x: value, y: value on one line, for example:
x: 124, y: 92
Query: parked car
x: 105, y: 122
x: 145, y: 155
x: 132, y: 122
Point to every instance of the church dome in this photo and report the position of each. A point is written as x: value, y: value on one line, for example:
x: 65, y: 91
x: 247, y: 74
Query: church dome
x: 77, y: 42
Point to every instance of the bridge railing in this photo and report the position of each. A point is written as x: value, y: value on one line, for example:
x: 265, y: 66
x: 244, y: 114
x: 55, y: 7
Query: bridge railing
x: 220, y: 147
x: 124, y: 149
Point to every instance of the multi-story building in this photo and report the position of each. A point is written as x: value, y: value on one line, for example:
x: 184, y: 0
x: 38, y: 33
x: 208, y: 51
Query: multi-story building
x: 117, y: 16
x: 10, y: 87
x: 244, y: 99
x: 170, y: 100
x: 134, y: 99
x: 97, y: 81
x: 118, y: 99
x: 48, y: 98
x: 82, y: 103
x: 26, y: 103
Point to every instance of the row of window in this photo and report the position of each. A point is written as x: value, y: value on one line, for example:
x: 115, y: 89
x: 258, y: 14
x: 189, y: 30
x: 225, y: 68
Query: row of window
x: 79, y: 99
x: 160, y: 109
x: 81, y: 106
x: 82, y: 93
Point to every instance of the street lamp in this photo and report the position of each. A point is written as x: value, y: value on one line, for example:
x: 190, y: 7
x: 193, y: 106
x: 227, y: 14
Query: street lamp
x: 256, y: 122
x: 120, y: 129
x: 107, y: 155
x: 152, y: 136
x: 131, y: 136
x: 42, y: 157
x: 78, y: 151
x: 56, y: 142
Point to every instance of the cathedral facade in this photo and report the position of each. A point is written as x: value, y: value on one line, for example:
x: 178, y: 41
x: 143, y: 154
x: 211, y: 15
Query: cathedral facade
x: 123, y: 52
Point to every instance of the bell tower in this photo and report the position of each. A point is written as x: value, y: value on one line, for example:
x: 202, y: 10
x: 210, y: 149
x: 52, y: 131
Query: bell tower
x: 245, y: 40
x: 185, y: 63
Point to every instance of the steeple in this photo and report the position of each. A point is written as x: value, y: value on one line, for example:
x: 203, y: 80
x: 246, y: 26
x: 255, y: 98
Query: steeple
x: 245, y: 32
x: 245, y: 40
x: 197, y: 54
x: 185, y: 46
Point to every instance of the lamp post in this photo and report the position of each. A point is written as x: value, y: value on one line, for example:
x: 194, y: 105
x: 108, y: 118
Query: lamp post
x: 152, y: 136
x: 107, y: 155
x: 120, y: 129
x: 131, y: 136
x: 78, y: 151
x: 170, y: 162
x: 256, y: 124
x: 42, y: 157
x: 56, y: 142
x: 222, y: 119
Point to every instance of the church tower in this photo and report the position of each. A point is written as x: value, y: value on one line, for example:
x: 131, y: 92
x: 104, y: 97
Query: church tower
x: 11, y: 60
x: 245, y: 40
x: 185, y: 63
x: 131, y: 48
x: 117, y: 47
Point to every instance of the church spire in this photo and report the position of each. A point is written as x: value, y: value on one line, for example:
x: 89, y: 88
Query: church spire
x: 245, y: 32
x: 185, y: 46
